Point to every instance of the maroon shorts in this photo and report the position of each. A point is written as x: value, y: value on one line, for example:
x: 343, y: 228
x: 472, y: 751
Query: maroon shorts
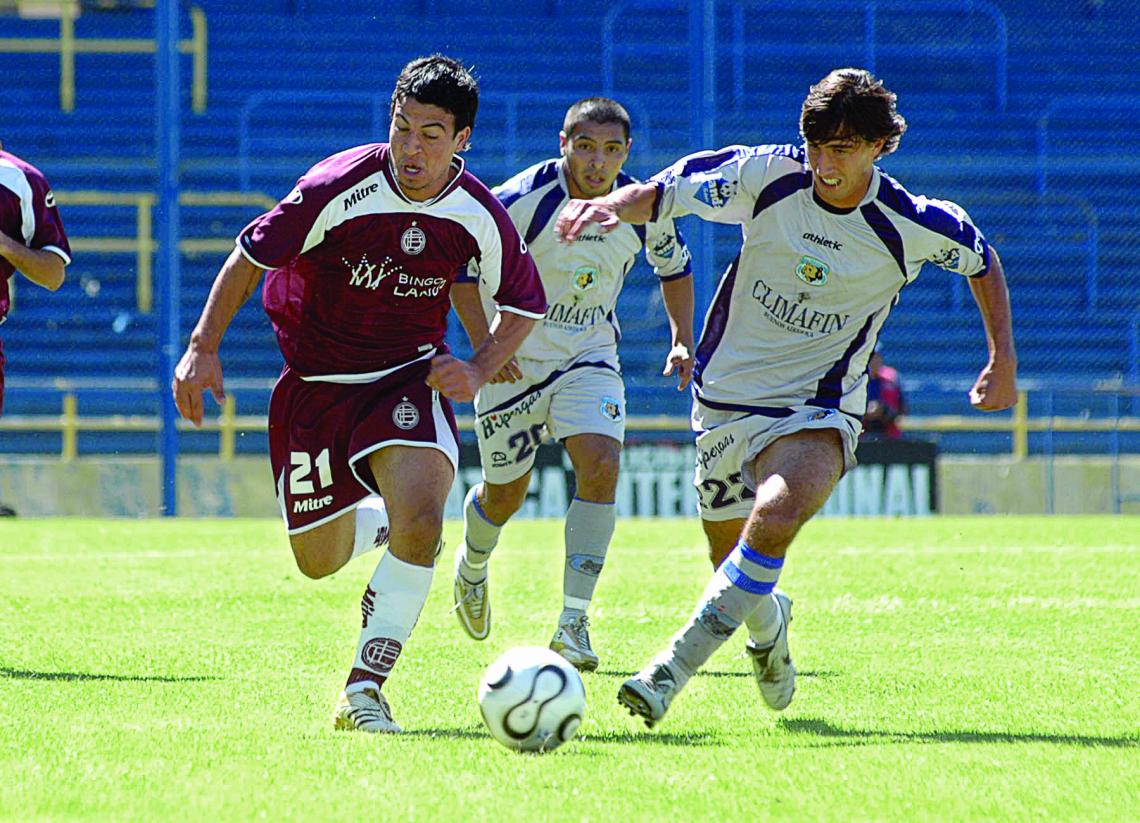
x: 320, y: 436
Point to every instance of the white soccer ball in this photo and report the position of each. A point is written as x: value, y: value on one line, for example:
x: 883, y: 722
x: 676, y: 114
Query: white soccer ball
x: 532, y: 700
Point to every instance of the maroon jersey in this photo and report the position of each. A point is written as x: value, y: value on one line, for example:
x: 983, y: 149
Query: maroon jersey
x: 360, y: 275
x: 28, y: 215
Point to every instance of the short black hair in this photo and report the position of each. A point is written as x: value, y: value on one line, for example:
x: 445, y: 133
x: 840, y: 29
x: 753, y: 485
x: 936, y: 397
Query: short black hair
x: 598, y: 110
x: 441, y: 81
x: 851, y: 103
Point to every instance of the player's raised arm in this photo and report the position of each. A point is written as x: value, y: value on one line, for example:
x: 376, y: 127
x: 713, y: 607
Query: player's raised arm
x: 996, y: 386
x: 629, y: 204
x: 200, y: 368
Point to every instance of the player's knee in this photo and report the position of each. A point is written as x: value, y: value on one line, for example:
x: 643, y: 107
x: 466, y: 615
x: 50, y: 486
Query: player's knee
x: 314, y: 567
x: 599, y: 481
x: 500, y: 501
x: 777, y: 528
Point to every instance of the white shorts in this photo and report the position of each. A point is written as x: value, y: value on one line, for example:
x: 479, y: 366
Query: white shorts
x: 728, y: 442
x: 559, y: 400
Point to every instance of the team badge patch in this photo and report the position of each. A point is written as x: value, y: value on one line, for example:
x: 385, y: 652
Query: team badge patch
x: 665, y: 246
x: 716, y: 192
x: 405, y: 415
x: 380, y: 653
x: 812, y: 271
x: 584, y: 278
x: 822, y: 414
x: 610, y: 409
x: 413, y: 240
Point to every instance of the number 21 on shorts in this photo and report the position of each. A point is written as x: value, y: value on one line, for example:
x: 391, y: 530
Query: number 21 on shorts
x: 302, y: 463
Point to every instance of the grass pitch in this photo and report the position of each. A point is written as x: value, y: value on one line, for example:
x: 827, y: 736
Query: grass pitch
x: 949, y: 669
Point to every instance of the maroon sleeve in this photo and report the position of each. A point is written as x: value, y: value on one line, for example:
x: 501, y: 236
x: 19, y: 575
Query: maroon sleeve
x: 507, y: 265
x: 49, y: 233
x: 272, y: 239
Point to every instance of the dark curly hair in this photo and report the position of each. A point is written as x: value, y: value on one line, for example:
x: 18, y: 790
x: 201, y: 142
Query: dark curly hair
x: 851, y: 103
x: 439, y: 81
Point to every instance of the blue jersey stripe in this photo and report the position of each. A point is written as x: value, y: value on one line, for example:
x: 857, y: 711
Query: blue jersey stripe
x: 931, y: 217
x: 542, y: 384
x: 886, y: 231
x: 763, y: 411
x: 545, y: 210
x: 545, y: 173
x: 708, y: 163
x: 717, y: 320
x: 830, y: 388
x: 780, y: 188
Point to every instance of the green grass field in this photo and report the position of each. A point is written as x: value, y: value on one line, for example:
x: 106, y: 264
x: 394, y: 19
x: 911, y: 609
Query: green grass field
x: 950, y: 669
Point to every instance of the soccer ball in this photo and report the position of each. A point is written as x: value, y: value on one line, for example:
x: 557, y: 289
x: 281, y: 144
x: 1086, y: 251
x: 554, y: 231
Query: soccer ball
x: 531, y: 699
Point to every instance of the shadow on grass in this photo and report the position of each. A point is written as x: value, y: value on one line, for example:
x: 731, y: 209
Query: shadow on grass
x: 820, y: 674
x: 24, y: 674
x: 659, y: 738
x: 836, y: 735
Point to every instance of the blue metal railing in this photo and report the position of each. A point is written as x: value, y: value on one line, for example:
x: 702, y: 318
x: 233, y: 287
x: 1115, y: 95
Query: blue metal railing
x: 1075, y: 102
x: 870, y: 46
x: 377, y: 102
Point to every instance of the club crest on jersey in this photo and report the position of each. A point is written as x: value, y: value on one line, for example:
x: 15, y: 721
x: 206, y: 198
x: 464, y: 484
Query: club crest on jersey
x: 405, y: 415
x: 716, y: 192
x: 413, y: 240
x: 584, y: 278
x: 812, y: 271
x: 49, y: 200
x: 610, y: 409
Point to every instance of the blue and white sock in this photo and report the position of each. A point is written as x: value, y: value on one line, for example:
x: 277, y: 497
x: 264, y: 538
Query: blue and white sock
x: 744, y: 580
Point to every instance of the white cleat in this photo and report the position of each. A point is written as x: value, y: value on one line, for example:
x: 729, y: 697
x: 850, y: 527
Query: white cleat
x: 572, y: 641
x: 772, y: 665
x: 366, y: 710
x: 649, y: 692
x: 472, y: 603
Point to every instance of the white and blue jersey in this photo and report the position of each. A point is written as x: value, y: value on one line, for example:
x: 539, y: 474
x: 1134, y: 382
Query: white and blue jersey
x: 797, y: 313
x: 582, y: 280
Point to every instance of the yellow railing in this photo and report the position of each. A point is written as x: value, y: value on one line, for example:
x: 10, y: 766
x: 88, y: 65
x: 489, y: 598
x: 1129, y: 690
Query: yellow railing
x: 67, y: 45
x: 228, y: 423
x: 143, y: 243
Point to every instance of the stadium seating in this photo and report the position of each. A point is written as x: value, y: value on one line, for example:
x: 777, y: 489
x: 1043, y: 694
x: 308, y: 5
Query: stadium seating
x: 292, y: 81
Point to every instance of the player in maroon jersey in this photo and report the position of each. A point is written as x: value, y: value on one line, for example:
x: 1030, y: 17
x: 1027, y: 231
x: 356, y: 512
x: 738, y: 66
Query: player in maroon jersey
x: 32, y: 239
x: 361, y: 256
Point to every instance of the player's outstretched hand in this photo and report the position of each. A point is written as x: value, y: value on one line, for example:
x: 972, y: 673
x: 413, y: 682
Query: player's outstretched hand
x: 509, y: 373
x: 681, y: 361
x: 196, y: 372
x: 578, y: 214
x: 455, y: 379
x: 996, y: 387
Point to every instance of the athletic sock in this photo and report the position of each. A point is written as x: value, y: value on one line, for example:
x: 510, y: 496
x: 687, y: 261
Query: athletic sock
x: 480, y: 536
x: 764, y: 623
x: 589, y: 529
x: 371, y: 525
x: 742, y: 582
x: 390, y: 608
